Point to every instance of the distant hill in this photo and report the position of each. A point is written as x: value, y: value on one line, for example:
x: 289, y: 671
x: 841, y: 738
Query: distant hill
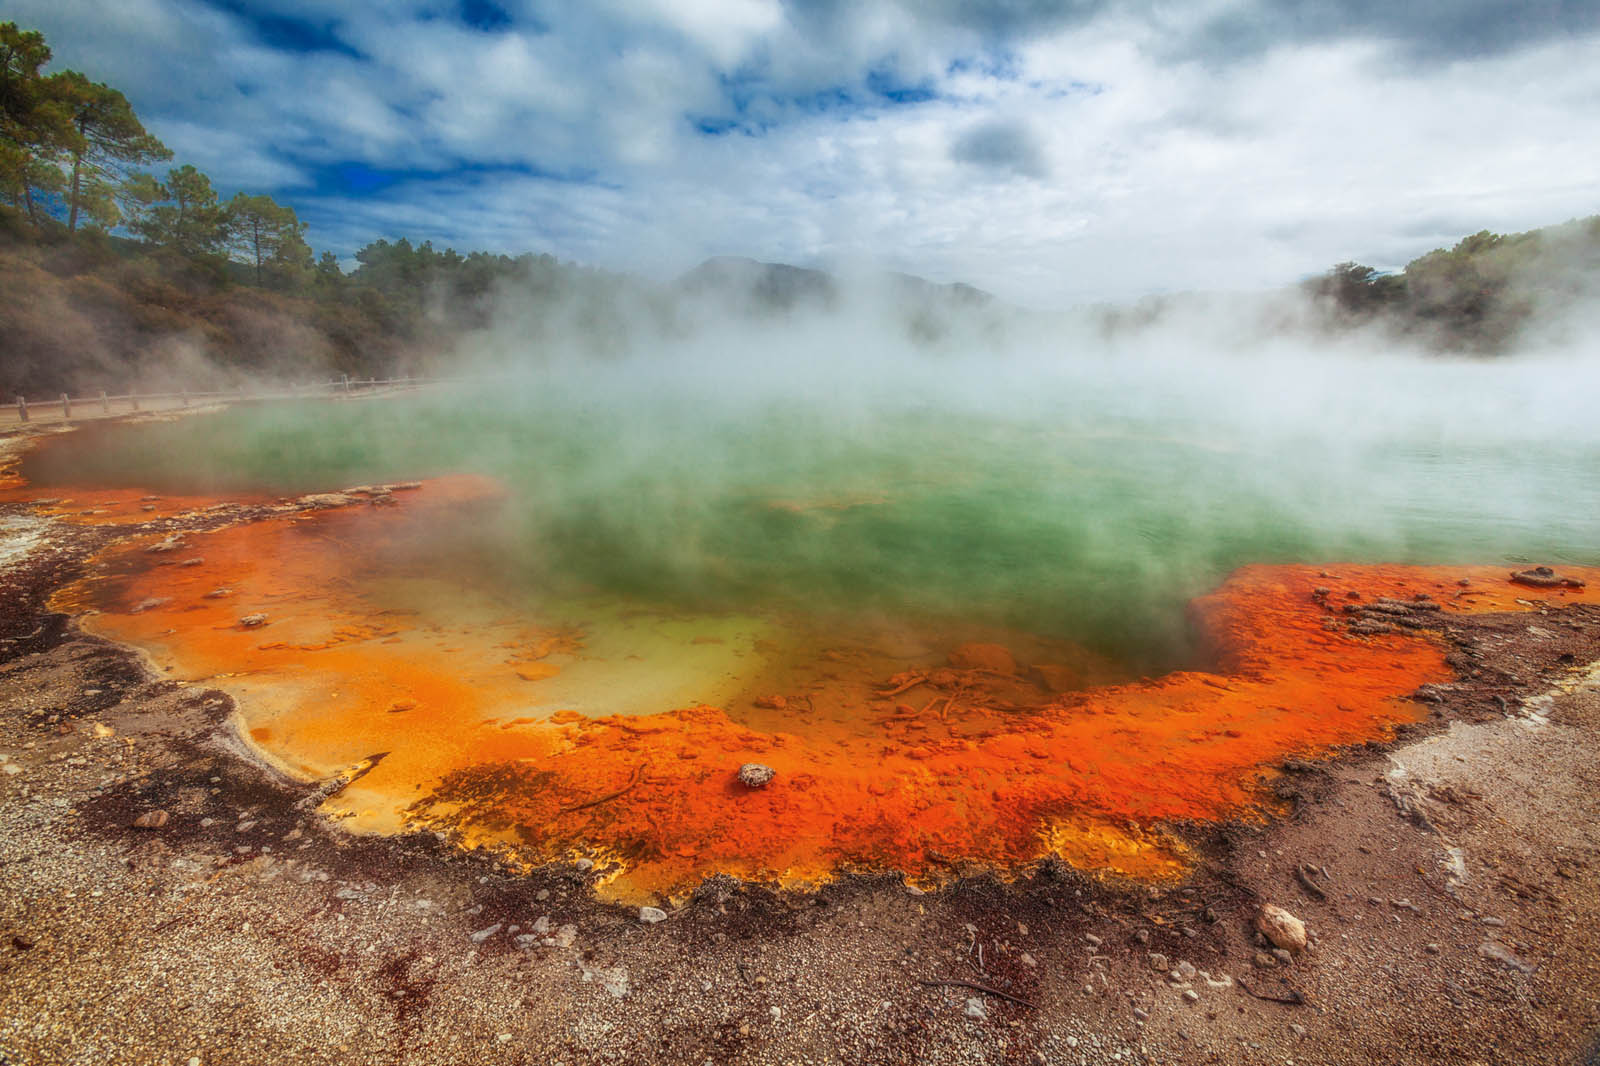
x: 781, y: 287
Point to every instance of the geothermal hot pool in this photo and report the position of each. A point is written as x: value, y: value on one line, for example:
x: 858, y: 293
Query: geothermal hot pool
x: 1037, y: 616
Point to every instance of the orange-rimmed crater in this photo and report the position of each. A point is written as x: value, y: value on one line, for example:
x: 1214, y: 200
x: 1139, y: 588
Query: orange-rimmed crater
x: 582, y: 728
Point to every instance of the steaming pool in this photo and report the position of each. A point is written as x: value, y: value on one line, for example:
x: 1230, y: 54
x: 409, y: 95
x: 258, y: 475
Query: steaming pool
x: 1029, y: 616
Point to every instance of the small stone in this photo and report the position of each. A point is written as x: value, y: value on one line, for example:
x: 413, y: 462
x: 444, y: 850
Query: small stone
x: 1297, y: 1029
x: 755, y: 775
x: 1029, y: 961
x: 1093, y: 940
x: 1072, y: 1041
x: 1282, y: 955
x: 1142, y: 935
x: 1282, y: 928
x: 1191, y: 995
x: 1432, y: 949
x: 1265, y: 961
x: 1184, y: 971
x: 1158, y: 961
x: 484, y: 934
x: 218, y: 594
x: 652, y: 915
x: 251, y: 621
x: 976, y: 1010
x: 150, y: 820
x: 542, y: 895
x: 1142, y: 1014
x: 20, y: 942
x: 1493, y: 949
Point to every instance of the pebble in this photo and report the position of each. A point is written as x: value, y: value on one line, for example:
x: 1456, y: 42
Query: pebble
x: 250, y: 621
x: 484, y: 934
x: 1191, y: 995
x: 1093, y: 940
x: 1142, y: 1014
x: 976, y: 1009
x: 652, y: 915
x: 150, y: 820
x: 755, y: 775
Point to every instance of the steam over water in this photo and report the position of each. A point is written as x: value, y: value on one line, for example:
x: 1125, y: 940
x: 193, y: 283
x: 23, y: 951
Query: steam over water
x: 1086, y: 498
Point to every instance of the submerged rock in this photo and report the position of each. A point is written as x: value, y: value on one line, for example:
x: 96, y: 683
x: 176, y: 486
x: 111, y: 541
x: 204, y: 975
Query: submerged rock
x: 755, y: 775
x: 991, y: 657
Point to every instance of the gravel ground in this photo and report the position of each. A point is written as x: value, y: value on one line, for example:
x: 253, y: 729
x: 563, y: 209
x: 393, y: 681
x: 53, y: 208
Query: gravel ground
x: 1449, y: 883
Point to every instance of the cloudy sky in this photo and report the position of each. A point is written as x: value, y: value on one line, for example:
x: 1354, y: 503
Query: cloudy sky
x: 1052, y: 152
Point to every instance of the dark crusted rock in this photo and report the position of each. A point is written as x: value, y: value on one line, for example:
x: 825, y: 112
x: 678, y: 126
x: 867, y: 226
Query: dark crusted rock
x: 1542, y: 577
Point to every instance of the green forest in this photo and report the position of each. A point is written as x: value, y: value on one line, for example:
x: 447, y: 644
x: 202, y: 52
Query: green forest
x: 120, y: 264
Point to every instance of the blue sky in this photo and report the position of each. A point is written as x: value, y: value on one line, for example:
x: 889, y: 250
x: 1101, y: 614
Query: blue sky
x: 1052, y: 152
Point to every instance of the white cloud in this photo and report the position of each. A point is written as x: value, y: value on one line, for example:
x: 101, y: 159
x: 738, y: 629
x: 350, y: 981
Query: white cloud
x: 1121, y: 156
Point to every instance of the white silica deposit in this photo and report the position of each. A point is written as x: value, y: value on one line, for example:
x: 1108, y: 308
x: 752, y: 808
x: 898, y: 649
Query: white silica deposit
x: 20, y: 536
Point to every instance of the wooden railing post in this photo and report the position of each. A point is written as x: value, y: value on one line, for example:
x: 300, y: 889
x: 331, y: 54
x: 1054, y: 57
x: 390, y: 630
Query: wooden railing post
x: 22, y: 408
x: 66, y: 406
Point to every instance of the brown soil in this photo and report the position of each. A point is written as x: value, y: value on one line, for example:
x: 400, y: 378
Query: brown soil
x: 1449, y: 882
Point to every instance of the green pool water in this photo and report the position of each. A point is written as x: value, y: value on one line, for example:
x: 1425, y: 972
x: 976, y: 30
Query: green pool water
x: 1088, y: 502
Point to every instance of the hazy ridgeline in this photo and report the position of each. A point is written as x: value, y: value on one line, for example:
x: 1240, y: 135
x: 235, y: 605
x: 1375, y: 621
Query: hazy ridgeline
x: 890, y: 451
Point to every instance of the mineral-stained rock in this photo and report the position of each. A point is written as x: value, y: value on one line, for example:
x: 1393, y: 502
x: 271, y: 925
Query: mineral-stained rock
x: 1282, y: 928
x: 990, y: 657
x: 250, y: 621
x: 150, y: 820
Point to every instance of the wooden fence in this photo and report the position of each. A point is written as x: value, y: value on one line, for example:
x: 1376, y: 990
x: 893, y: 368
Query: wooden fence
x: 65, y: 408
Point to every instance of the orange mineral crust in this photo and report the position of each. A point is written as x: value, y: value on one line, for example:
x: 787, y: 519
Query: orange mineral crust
x: 562, y: 730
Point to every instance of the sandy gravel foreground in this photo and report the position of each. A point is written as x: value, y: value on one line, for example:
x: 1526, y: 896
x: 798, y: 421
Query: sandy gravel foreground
x: 1450, y: 884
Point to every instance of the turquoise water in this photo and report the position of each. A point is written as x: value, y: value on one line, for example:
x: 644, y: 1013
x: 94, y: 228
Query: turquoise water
x: 1087, y: 503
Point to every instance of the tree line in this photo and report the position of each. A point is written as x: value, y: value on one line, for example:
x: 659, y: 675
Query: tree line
x: 1481, y: 295
x: 72, y: 146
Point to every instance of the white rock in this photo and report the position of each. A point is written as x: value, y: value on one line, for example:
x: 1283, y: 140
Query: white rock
x: 652, y: 915
x: 976, y: 1009
x: 1282, y: 928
